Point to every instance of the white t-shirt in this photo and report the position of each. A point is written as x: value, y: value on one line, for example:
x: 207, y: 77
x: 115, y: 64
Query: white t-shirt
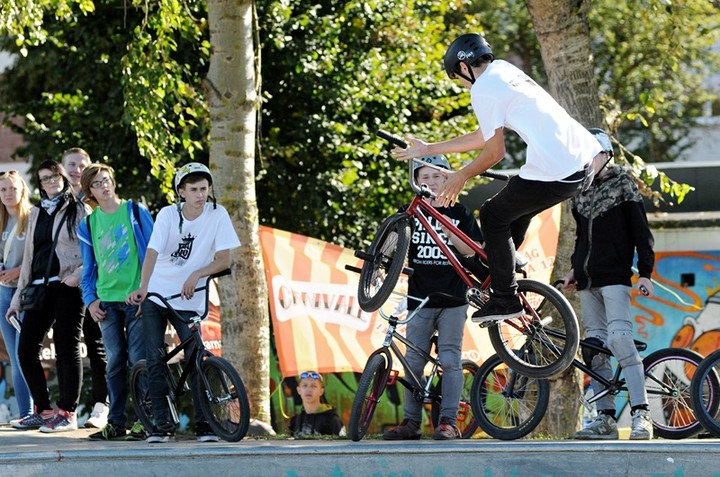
x: 179, y: 255
x: 557, y: 145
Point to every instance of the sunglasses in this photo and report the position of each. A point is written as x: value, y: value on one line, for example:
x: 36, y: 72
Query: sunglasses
x: 310, y: 375
x: 49, y: 179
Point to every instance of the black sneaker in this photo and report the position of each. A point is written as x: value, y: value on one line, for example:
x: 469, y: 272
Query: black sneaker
x: 109, y: 432
x: 407, y: 430
x: 204, y: 433
x: 137, y: 432
x: 498, y: 309
x: 160, y: 434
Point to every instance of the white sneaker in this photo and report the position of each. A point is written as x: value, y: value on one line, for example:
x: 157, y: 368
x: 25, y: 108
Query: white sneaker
x: 98, y: 416
x: 642, y: 428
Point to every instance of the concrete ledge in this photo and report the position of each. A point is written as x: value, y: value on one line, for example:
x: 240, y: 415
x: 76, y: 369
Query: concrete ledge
x: 377, y: 458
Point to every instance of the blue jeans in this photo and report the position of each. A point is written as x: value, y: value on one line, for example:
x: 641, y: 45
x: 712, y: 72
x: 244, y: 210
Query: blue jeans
x: 122, y: 334
x: 155, y: 319
x: 450, y: 323
x: 12, y: 338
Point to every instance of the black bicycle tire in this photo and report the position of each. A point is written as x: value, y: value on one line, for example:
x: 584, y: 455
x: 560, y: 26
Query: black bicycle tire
x: 707, y: 414
x: 488, y: 421
x: 140, y: 394
x: 400, y: 225
x: 527, y: 361
x: 360, y: 416
x: 239, y: 429
x: 679, y: 398
x: 468, y: 431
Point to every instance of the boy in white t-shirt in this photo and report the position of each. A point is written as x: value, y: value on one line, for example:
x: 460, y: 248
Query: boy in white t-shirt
x: 190, y: 240
x: 558, y: 164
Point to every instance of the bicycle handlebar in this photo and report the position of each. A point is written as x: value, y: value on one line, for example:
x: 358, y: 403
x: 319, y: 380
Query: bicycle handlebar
x: 391, y: 138
x: 417, y: 188
x: 166, y: 299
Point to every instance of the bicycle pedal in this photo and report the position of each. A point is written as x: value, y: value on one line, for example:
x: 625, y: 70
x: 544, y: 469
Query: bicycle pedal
x: 463, y: 412
x: 392, y: 377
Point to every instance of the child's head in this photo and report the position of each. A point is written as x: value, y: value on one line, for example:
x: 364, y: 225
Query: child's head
x: 310, y: 388
x: 192, y: 173
x: 430, y: 176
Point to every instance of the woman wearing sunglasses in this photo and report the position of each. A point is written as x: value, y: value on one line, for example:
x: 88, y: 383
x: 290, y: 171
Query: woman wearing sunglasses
x: 52, y: 259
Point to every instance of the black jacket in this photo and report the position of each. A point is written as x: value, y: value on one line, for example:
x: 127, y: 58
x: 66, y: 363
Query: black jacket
x: 324, y: 422
x: 611, y: 226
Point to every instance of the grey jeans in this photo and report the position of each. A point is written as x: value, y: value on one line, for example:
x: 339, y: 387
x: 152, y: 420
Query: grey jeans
x: 606, y: 315
x: 450, y: 323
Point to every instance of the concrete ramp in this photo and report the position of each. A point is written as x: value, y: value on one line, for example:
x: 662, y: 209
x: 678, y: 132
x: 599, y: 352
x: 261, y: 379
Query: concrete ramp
x: 34, y: 454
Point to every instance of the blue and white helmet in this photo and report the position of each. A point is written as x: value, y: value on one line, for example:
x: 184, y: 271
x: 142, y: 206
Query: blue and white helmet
x: 604, y: 139
x: 437, y: 160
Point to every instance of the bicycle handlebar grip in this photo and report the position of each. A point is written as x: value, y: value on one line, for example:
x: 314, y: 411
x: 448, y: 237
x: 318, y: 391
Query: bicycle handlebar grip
x: 393, y: 139
x: 221, y: 273
x: 495, y: 175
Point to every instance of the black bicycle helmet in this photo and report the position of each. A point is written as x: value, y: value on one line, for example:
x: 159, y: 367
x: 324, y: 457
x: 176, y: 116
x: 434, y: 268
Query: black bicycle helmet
x: 468, y: 49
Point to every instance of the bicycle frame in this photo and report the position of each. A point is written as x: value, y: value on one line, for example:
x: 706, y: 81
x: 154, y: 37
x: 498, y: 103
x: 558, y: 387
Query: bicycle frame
x: 389, y: 348
x: 181, y: 386
x: 194, y: 341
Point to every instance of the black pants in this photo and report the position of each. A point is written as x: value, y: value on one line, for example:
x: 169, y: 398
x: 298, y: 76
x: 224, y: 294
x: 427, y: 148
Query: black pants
x: 63, y: 312
x: 505, y: 218
x: 97, y: 357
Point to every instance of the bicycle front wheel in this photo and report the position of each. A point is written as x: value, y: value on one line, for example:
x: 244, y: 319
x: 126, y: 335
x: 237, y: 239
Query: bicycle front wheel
x: 224, y: 401
x: 544, y: 341
x: 141, y: 394
x: 466, y: 421
x: 506, y: 404
x: 704, y: 393
x: 668, y: 374
x: 380, y: 274
x: 370, y: 387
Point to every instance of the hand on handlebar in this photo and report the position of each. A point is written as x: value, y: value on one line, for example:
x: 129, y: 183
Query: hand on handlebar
x: 416, y: 148
x: 188, y: 288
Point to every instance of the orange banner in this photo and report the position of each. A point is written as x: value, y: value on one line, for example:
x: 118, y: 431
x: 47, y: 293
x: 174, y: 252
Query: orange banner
x: 316, y: 319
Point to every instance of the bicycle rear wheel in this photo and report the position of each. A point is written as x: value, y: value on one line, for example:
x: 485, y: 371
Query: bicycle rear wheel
x: 544, y: 341
x: 224, y: 401
x: 466, y: 421
x: 380, y: 274
x: 370, y: 387
x: 141, y: 394
x: 668, y: 374
x: 704, y: 396
x: 507, y: 405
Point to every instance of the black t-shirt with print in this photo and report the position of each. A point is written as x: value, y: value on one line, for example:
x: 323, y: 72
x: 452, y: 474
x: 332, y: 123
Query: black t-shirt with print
x: 432, y: 271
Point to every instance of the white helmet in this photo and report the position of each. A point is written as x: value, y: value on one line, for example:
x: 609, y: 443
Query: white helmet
x: 436, y: 160
x: 191, y: 168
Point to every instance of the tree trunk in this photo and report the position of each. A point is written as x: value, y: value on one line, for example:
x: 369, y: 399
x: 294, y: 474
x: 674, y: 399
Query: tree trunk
x: 562, y: 30
x: 232, y: 92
